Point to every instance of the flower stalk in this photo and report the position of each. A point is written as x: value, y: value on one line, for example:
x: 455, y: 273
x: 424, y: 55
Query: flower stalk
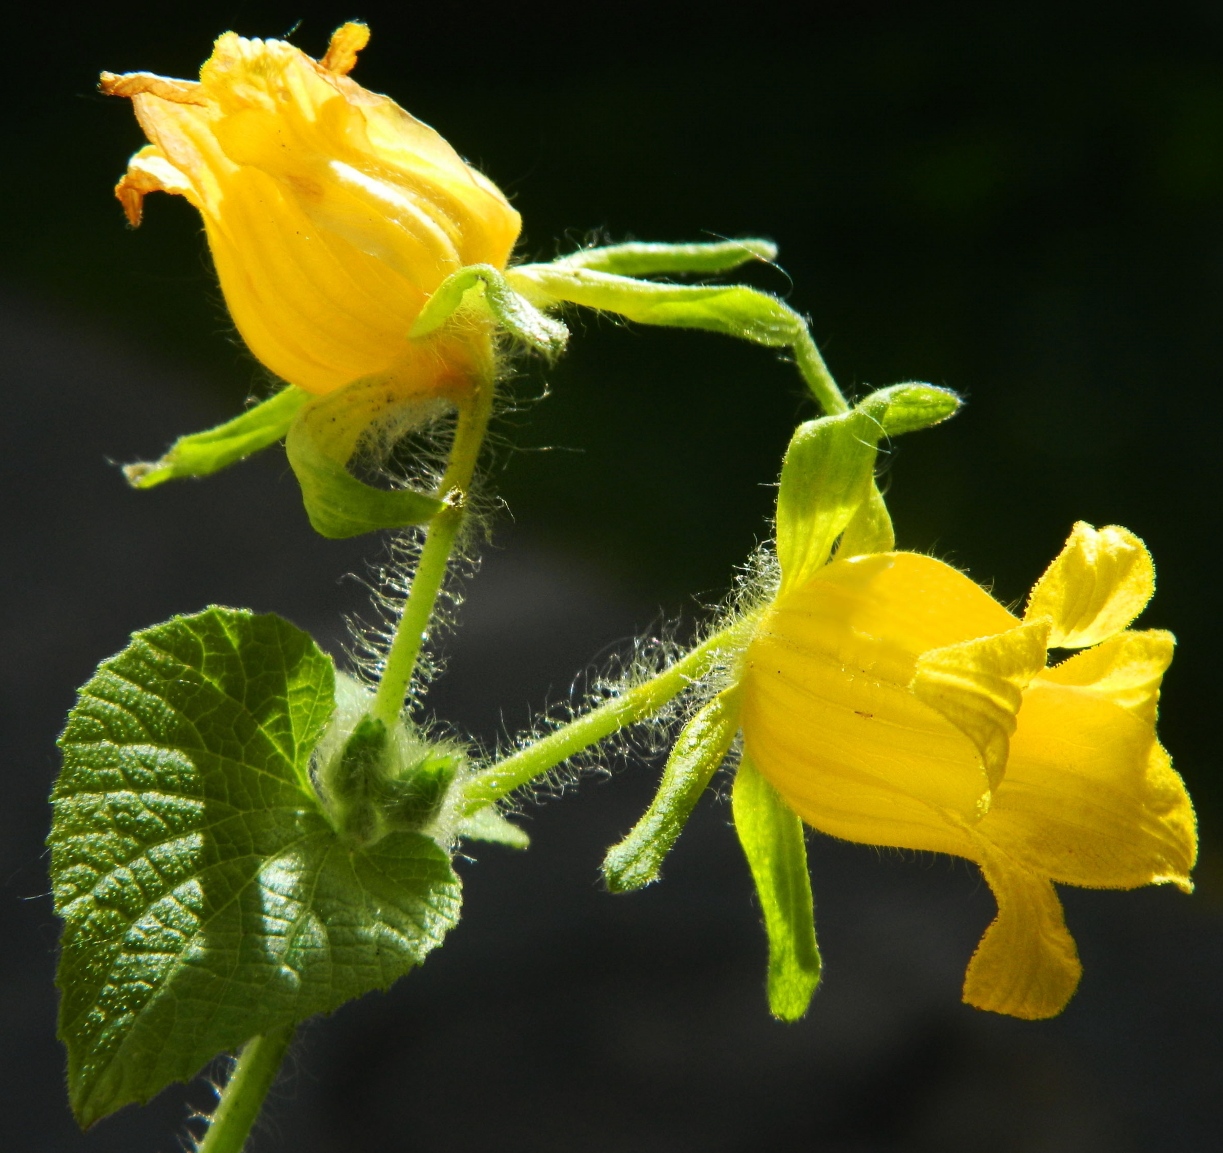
x: 632, y: 705
x: 440, y: 537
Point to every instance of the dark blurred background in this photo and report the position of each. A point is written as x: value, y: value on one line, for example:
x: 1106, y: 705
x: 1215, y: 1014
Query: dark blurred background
x: 1023, y: 202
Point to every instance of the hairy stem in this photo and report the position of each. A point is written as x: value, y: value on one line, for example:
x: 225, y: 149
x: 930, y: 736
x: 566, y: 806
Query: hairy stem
x: 632, y: 705
x: 243, y: 1095
x: 440, y: 536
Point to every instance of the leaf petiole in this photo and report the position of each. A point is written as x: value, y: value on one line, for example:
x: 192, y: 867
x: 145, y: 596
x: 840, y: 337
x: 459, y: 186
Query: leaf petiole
x: 243, y: 1095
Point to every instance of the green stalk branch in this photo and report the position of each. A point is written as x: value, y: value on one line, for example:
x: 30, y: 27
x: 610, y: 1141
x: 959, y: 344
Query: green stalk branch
x: 630, y: 706
x: 243, y: 1095
x: 815, y: 372
x: 430, y: 573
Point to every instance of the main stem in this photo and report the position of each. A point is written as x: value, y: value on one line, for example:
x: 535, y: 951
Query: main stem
x: 243, y: 1096
x: 630, y: 706
x: 440, y: 536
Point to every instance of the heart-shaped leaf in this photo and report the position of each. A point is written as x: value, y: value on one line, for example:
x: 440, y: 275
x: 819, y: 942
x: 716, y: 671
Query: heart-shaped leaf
x: 205, y: 895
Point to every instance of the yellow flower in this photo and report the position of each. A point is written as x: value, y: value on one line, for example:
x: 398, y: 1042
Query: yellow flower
x: 331, y: 213
x: 892, y: 701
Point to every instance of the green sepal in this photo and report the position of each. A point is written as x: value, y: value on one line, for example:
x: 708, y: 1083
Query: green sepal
x: 483, y: 284
x: 772, y: 840
x: 731, y: 309
x: 324, y: 437
x: 869, y: 529
x: 699, y: 750
x: 827, y: 477
x: 649, y: 259
x: 206, y: 896
x: 202, y: 453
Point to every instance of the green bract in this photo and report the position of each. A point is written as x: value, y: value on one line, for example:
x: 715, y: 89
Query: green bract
x: 695, y: 757
x: 206, y: 897
x: 202, y: 453
x: 827, y: 494
x: 325, y: 436
x: 647, y: 258
x: 482, y: 285
x: 772, y: 840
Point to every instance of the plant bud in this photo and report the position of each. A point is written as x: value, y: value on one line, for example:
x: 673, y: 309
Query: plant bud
x: 331, y: 213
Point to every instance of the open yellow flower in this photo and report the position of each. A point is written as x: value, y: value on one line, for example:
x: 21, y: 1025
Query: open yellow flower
x: 890, y: 700
x: 331, y: 213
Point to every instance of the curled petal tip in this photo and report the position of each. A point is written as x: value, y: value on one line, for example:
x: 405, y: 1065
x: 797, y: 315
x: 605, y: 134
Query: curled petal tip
x: 138, y: 83
x: 346, y: 42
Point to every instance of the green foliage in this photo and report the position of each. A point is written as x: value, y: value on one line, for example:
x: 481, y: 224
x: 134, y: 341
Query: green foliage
x: 325, y: 436
x: 381, y: 780
x: 483, y: 285
x: 202, y: 453
x: 695, y: 757
x: 206, y: 896
x: 349, y: 782
x: 772, y: 840
x: 649, y: 259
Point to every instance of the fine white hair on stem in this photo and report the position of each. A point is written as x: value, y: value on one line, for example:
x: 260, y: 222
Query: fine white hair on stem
x: 643, y: 658
x: 411, y: 449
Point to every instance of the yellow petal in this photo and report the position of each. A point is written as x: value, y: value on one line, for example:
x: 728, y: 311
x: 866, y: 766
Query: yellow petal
x: 149, y: 171
x: 1127, y: 670
x: 183, y: 134
x: 978, y: 686
x: 1099, y: 583
x: 312, y: 308
x: 1026, y: 964
x: 885, y: 609
x: 1090, y: 797
x: 827, y: 714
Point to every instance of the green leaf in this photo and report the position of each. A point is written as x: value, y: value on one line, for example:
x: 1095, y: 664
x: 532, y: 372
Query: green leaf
x: 324, y: 437
x: 640, y: 259
x: 482, y: 283
x: 731, y: 309
x: 699, y: 750
x: 202, y: 453
x: 825, y: 477
x: 206, y: 897
x: 772, y: 840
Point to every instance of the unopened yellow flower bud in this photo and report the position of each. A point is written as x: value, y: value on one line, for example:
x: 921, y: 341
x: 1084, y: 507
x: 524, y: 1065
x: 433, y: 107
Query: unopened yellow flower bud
x: 331, y: 213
